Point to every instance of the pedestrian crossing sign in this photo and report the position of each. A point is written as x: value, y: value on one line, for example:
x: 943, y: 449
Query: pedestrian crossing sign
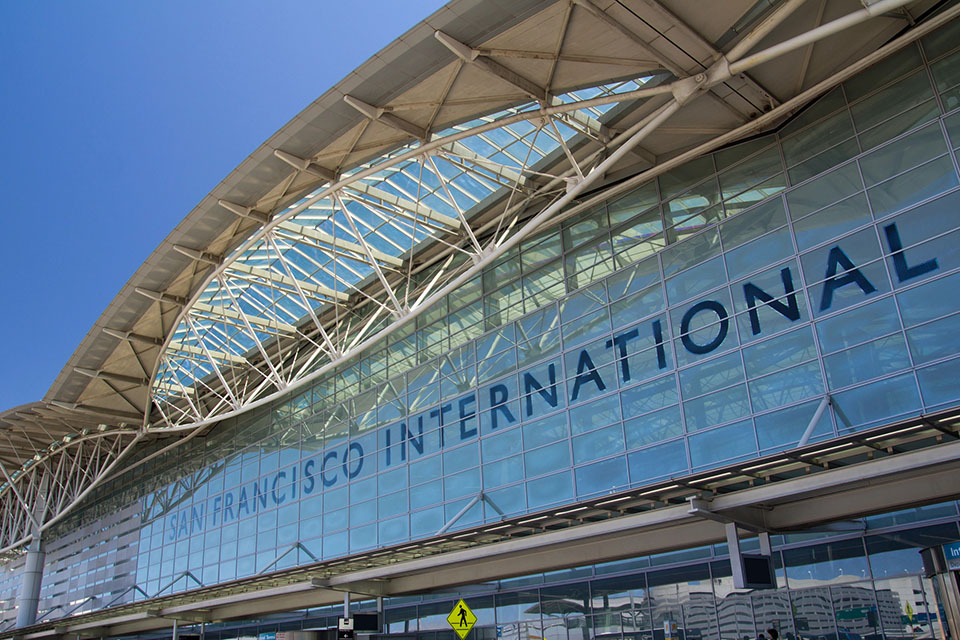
x: 461, y: 619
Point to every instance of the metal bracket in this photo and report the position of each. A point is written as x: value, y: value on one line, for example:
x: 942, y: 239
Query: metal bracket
x: 752, y: 522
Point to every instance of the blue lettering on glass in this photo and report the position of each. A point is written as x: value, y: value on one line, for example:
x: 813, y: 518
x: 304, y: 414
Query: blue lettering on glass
x: 549, y: 394
x: 790, y: 310
x: 274, y: 490
x: 404, y: 440
x: 586, y: 371
x: 620, y: 340
x: 439, y: 413
x: 498, y: 405
x: 687, y: 340
x: 658, y: 338
x: 904, y: 271
x: 852, y: 275
x: 467, y: 415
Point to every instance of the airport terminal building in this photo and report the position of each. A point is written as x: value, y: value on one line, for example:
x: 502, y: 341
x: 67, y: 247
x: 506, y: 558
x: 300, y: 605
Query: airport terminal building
x: 631, y: 319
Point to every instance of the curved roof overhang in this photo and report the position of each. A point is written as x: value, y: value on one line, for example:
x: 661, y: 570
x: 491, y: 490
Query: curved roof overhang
x: 469, y: 63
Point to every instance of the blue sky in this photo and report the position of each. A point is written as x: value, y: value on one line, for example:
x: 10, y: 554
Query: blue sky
x: 118, y: 117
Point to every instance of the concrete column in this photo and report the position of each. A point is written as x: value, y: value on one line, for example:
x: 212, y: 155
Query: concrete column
x: 29, y: 598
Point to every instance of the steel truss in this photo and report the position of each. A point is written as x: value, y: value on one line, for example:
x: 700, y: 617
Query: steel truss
x: 381, y: 243
x: 336, y: 273
x: 40, y: 493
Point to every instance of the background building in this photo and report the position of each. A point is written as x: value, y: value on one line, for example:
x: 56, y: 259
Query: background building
x: 525, y: 311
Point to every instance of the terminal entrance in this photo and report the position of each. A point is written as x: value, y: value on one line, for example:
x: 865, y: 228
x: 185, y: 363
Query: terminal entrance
x: 868, y: 585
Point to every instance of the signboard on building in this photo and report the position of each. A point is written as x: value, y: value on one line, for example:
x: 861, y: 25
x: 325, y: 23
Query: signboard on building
x: 952, y: 554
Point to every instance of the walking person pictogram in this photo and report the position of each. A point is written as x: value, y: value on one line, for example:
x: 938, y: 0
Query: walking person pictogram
x: 461, y: 619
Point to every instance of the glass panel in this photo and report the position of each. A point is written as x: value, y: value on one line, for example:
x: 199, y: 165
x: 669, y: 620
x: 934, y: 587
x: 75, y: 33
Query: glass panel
x: 597, y: 444
x: 825, y: 105
x: 898, y: 156
x: 657, y: 462
x: 681, y: 178
x: 753, y: 224
x: 832, y: 563
x: 832, y: 221
x: 637, y: 201
x: 912, y: 187
x: 868, y: 361
x: 750, y: 172
x: 759, y: 253
x: 894, y: 66
x: 690, y: 252
x: 695, y: 281
x: 900, y: 124
x: 732, y: 155
x: 710, y: 376
x: 653, y: 427
x: 684, y: 596
x: 890, y: 101
x: 734, y: 441
x: 933, y: 341
x: 602, y: 477
x: 877, y: 401
x: 824, y: 161
x: 547, y: 459
x: 817, y: 138
x: 595, y: 414
x: 930, y: 300
x: 784, y: 428
x: 786, y: 387
x: 555, y: 489
x: 823, y: 191
x: 938, y: 383
x: 945, y: 72
x: 777, y: 353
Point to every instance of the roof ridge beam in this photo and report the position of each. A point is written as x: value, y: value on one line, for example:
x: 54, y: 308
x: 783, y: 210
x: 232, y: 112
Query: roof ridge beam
x: 199, y: 255
x: 272, y: 275
x: 385, y: 117
x: 476, y: 57
x: 334, y: 242
x: 305, y: 165
x: 221, y: 355
x: 96, y: 411
x: 610, y: 21
x: 161, y: 296
x: 114, y: 377
x: 244, y: 212
x: 221, y: 310
x: 403, y: 203
x: 130, y: 336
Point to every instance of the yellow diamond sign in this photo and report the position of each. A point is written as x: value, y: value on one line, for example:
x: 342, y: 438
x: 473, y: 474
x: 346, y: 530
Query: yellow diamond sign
x: 461, y: 619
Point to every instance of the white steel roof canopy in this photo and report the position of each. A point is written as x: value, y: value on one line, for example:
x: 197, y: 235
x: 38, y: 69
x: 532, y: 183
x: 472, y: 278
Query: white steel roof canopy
x: 471, y: 132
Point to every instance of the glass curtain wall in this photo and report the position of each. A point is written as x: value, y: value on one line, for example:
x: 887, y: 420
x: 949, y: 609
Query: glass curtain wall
x: 696, y: 321
x: 848, y: 588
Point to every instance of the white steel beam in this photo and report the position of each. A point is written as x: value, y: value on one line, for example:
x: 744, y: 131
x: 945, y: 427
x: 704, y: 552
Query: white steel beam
x: 331, y: 347
x: 398, y: 309
x: 336, y: 243
x: 302, y: 164
x: 475, y: 57
x: 387, y: 118
x: 413, y: 207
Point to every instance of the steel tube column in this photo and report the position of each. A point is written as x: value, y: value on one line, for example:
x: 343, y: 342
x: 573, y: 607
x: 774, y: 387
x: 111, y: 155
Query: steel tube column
x: 29, y: 597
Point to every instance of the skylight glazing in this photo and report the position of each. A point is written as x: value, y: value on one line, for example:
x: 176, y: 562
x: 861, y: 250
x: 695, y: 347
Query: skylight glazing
x: 296, y: 296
